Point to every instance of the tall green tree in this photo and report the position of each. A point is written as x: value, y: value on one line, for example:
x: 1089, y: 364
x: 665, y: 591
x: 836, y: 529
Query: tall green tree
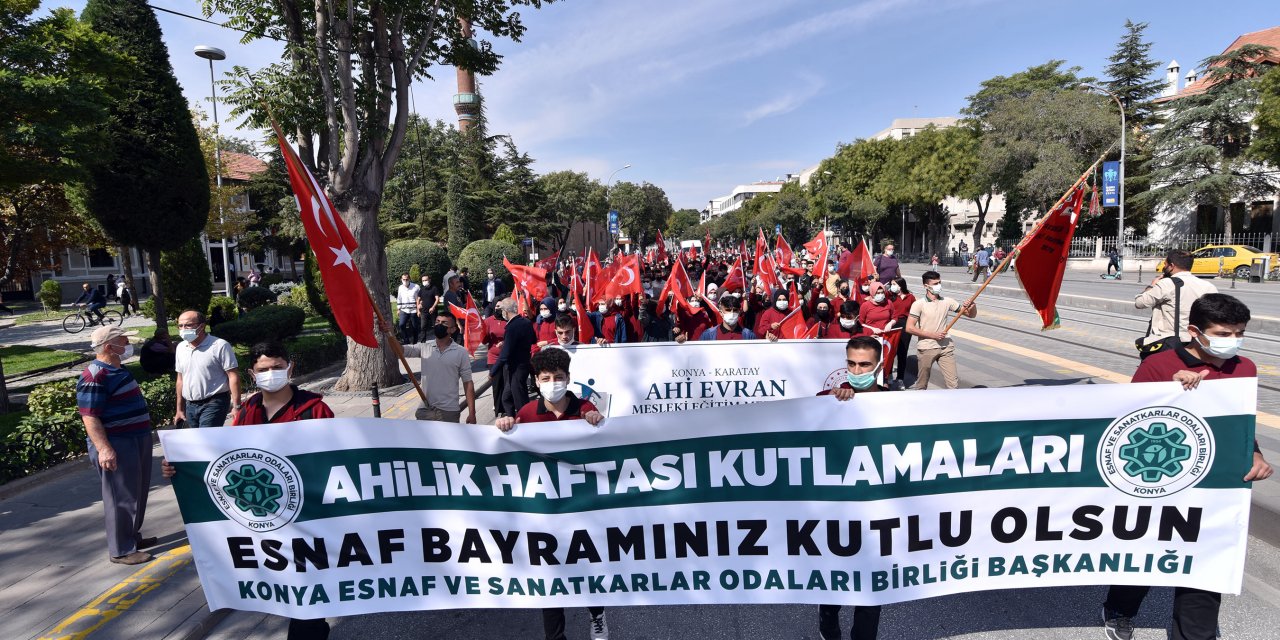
x: 927, y: 168
x: 683, y: 223
x: 519, y: 196
x: 569, y: 197
x: 55, y: 87
x: 846, y: 196
x: 642, y: 209
x: 342, y: 91
x: 148, y: 186
x: 1199, y: 155
x: 1047, y: 77
x: 1130, y: 75
x: 1266, y: 139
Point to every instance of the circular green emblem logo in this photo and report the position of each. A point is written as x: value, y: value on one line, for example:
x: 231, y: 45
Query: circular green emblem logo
x: 256, y: 488
x: 1155, y: 452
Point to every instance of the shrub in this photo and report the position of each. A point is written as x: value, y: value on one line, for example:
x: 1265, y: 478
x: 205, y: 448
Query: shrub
x: 253, y: 297
x: 268, y: 322
x: 185, y: 277
x: 281, y: 288
x: 314, y: 286
x: 315, y: 352
x: 297, y: 297
x: 53, y: 399
x: 270, y: 279
x: 481, y: 255
x: 504, y: 234
x: 148, y: 308
x: 51, y: 295
x: 221, y: 309
x: 432, y: 261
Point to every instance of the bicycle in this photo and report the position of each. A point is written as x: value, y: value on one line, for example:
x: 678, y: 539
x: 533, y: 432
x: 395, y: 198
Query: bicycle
x: 80, y: 318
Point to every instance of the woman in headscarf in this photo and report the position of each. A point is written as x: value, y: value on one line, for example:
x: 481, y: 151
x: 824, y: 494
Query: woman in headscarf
x: 545, y: 324
x: 876, y: 315
x: 779, y: 307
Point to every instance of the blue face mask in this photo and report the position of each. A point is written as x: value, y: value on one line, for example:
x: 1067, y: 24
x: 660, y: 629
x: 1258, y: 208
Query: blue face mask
x: 861, y: 381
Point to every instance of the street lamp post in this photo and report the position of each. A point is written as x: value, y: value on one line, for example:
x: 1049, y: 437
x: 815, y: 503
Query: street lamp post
x: 607, y: 187
x: 1123, y: 130
x: 211, y: 54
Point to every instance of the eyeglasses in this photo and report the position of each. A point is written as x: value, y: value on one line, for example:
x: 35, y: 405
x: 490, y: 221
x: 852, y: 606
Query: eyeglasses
x: 189, y: 326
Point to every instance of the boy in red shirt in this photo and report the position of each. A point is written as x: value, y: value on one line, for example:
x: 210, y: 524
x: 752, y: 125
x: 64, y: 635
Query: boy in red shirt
x: 556, y: 402
x: 1216, y: 325
x: 277, y: 401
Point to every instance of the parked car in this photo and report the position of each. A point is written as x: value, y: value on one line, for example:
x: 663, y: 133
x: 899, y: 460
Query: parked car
x: 1213, y: 259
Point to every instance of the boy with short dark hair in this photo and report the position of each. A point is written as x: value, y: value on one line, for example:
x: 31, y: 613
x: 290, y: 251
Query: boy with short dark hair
x: 556, y: 402
x: 730, y: 327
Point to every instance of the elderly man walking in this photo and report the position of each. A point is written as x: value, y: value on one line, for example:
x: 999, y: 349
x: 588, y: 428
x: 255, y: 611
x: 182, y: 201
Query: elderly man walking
x: 208, y: 383
x: 118, y: 424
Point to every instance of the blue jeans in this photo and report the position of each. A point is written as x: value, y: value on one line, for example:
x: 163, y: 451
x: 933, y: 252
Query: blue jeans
x: 211, y: 412
x: 96, y: 309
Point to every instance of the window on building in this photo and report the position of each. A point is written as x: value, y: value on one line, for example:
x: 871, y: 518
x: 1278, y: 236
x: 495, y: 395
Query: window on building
x: 101, y: 259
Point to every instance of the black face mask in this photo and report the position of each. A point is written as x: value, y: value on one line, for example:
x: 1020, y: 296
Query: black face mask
x: 824, y: 315
x: 440, y: 330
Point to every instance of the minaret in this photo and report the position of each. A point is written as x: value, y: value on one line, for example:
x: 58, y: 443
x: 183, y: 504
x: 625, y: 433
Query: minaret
x: 466, y: 102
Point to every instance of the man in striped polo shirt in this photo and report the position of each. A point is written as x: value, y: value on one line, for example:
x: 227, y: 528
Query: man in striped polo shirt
x: 116, y: 418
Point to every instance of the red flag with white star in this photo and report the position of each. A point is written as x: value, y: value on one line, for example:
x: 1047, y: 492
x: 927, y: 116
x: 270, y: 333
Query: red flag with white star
x: 469, y: 318
x: 333, y: 245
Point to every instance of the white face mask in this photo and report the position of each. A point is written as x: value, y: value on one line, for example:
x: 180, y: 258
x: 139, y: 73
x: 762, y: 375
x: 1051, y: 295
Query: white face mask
x: 189, y: 334
x: 866, y: 288
x: 782, y: 304
x: 936, y: 289
x: 848, y: 323
x: 602, y: 308
x: 617, y: 301
x: 730, y: 318
x: 1218, y: 347
x: 273, y: 380
x: 695, y: 304
x: 895, y: 288
x: 562, y: 306
x: 888, y: 252
x: 128, y: 352
x: 879, y: 299
x: 553, y: 391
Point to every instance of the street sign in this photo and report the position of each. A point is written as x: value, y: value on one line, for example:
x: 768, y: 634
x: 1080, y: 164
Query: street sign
x: 777, y: 230
x: 613, y: 223
x: 528, y: 242
x: 1111, y: 184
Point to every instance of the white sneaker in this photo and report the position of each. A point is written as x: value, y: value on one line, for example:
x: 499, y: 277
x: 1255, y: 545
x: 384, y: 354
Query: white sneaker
x: 599, y: 628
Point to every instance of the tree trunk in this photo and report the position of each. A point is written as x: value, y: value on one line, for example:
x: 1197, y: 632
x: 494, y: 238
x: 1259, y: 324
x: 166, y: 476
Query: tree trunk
x: 157, y: 292
x: 982, y: 219
x: 126, y: 261
x: 366, y: 366
x: 4, y: 391
x: 1226, y: 221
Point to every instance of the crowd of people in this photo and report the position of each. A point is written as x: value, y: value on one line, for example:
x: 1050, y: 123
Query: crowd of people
x: 1195, y: 335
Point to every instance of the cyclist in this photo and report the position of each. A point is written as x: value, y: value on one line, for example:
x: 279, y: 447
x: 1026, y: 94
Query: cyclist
x: 93, y: 301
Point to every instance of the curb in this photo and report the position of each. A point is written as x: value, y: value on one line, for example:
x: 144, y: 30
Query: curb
x: 15, y: 487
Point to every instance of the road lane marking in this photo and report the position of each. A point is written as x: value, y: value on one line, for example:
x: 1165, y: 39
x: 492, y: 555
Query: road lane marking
x: 119, y: 598
x: 1266, y: 419
x: 1085, y: 297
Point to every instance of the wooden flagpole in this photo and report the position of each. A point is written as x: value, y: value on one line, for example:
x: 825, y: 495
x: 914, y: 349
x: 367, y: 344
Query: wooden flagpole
x: 1039, y: 223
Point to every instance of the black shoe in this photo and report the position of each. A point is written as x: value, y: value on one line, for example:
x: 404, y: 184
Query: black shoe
x: 1116, y: 626
x: 146, y: 543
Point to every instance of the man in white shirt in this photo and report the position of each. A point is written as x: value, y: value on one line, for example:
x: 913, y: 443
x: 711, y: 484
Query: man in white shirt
x: 208, y: 383
x: 445, y: 363
x: 407, y: 304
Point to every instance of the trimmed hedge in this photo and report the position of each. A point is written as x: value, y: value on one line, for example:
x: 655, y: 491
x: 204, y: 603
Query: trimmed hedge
x: 185, y: 277
x: 51, y: 295
x: 402, y: 255
x: 224, y: 307
x: 253, y: 297
x: 269, y: 322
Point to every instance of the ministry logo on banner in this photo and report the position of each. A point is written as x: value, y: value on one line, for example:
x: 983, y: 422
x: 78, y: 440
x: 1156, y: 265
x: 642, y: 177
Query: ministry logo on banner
x: 258, y: 489
x: 1155, y: 452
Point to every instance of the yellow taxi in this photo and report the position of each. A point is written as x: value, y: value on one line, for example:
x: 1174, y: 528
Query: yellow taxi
x: 1216, y: 259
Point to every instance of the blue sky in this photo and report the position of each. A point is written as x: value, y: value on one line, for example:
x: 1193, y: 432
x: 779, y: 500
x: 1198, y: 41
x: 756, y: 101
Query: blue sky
x: 702, y: 95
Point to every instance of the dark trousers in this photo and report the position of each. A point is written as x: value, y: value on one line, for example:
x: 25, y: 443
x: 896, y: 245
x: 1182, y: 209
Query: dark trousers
x: 408, y: 327
x: 96, y: 309
x: 124, y: 491
x: 515, y: 388
x: 866, y: 622
x: 210, y: 412
x: 1113, y: 263
x: 308, y: 629
x: 1195, y: 611
x: 553, y: 621
x: 904, y: 352
x: 497, y: 387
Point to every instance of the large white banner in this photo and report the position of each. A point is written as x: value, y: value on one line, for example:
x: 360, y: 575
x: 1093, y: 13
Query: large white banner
x: 664, y: 377
x: 884, y: 498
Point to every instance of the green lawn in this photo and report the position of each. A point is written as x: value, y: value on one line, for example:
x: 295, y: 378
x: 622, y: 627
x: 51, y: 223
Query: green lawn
x: 21, y: 358
x: 39, y: 316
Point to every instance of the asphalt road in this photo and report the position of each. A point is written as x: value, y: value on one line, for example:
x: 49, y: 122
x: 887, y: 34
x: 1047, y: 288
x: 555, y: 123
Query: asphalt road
x: 1100, y: 340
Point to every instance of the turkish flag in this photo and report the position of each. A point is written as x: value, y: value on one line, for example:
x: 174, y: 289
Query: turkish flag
x: 856, y: 265
x: 736, y: 279
x: 1042, y: 256
x: 661, y: 252
x: 530, y: 280
x: 677, y: 284
x: 584, y: 323
x: 702, y: 293
x: 469, y: 318
x: 625, y: 279
x: 782, y: 251
x: 817, y: 248
x: 794, y: 327
x: 333, y: 244
x: 1095, y: 203
x: 706, y: 245
x: 765, y: 271
x: 549, y: 263
x: 590, y: 273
